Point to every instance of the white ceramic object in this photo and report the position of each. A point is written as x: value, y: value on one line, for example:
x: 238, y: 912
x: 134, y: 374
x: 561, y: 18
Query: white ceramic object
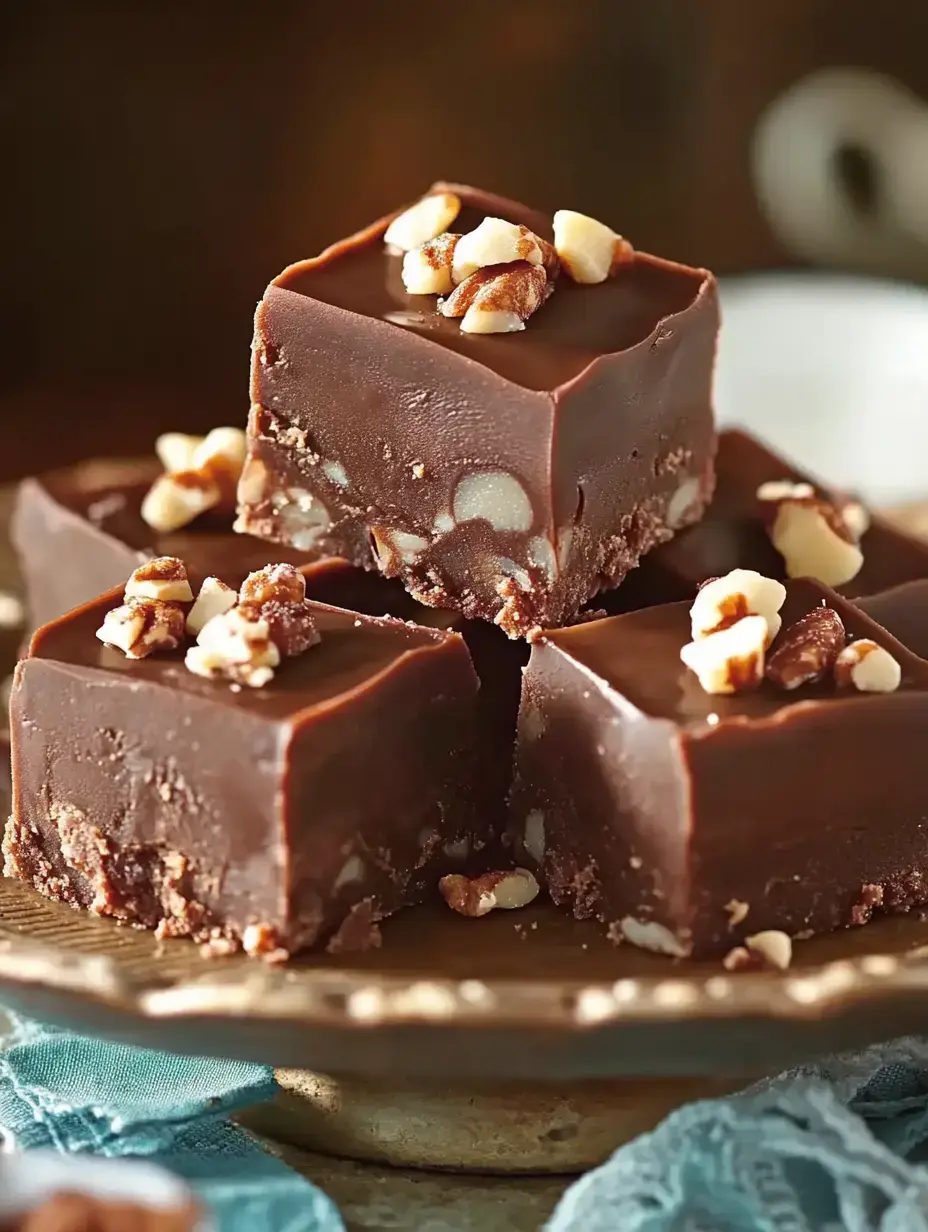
x: 833, y: 372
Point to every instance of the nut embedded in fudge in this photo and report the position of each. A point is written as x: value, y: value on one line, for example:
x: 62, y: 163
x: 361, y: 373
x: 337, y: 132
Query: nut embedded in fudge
x: 686, y: 820
x: 735, y: 532
x: 282, y: 811
x: 508, y: 475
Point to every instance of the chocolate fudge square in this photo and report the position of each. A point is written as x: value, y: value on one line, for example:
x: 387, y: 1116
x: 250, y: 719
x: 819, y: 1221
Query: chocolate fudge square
x: 732, y: 535
x: 282, y: 817
x: 685, y: 821
x: 508, y: 476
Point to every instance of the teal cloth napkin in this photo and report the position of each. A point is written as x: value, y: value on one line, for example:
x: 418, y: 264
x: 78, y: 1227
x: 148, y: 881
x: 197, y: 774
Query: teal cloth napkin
x: 834, y: 1147
x: 76, y: 1094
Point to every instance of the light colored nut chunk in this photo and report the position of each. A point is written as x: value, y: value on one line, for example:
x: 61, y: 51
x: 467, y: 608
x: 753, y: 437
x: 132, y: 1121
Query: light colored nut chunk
x: 423, y: 221
x: 494, y: 242
x: 253, y: 482
x: 214, y: 599
x: 498, y: 299
x: 476, y: 896
x: 427, y: 269
x: 777, y: 490
x: 303, y: 517
x: 533, y: 838
x: 495, y: 496
x: 164, y: 578
x: 649, y: 935
x: 683, y: 502
x: 732, y: 660
x: 588, y: 249
x: 222, y: 454
x: 235, y: 647
x: 868, y: 667
x: 141, y: 627
x: 856, y: 518
x: 814, y: 542
x: 175, y: 450
x: 274, y: 583
x: 176, y: 499
x: 723, y: 601
x: 775, y: 947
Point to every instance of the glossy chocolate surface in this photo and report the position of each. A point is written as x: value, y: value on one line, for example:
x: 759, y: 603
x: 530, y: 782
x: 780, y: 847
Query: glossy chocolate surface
x: 576, y: 326
x: 659, y: 803
x: 310, y: 807
x: 732, y: 535
x: 591, y: 429
x: 903, y: 610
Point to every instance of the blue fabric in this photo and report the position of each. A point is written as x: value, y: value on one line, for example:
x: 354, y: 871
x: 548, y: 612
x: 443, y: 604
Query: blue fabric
x: 829, y: 1148
x: 78, y: 1094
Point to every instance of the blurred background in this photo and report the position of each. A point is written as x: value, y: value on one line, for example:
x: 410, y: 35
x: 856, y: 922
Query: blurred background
x: 161, y: 161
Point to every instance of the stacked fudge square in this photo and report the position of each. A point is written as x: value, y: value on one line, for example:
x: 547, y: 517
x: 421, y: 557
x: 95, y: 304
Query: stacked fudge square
x: 274, y: 694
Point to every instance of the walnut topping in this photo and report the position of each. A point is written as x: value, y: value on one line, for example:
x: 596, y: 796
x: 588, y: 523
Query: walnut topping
x: 427, y: 269
x: 774, y: 946
x: 498, y: 299
x: 815, y: 540
x: 423, y: 221
x: 868, y: 667
x: 721, y: 602
x: 737, y: 912
x: 141, y: 627
x: 731, y: 660
x: 589, y: 250
x: 236, y: 646
x: 164, y: 578
x: 274, y: 583
x: 777, y: 490
x: 808, y: 649
x: 475, y: 896
x: 277, y: 594
x: 214, y: 599
x: 175, y: 450
x: 202, y: 475
x: 495, y: 242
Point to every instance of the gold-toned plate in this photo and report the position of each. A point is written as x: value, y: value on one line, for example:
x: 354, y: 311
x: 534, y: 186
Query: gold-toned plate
x: 527, y: 995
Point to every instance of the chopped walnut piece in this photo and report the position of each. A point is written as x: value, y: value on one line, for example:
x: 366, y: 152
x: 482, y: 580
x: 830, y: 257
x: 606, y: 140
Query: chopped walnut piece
x: 774, y: 946
x: 276, y: 594
x: 498, y: 299
x: 589, y: 250
x: 141, y: 627
x: 723, y: 601
x: 868, y: 667
x: 784, y: 489
x: 475, y: 896
x: 236, y: 647
x: 737, y: 912
x: 206, y: 477
x: 495, y: 242
x: 732, y: 660
x: 176, y: 499
x: 175, y: 450
x: 814, y: 541
x: 261, y: 941
x: 423, y: 221
x: 427, y: 269
x: 214, y: 599
x: 164, y: 578
x: 808, y: 649
x: 280, y: 583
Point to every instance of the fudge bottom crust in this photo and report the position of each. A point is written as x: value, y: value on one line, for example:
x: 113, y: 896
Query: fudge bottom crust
x: 67, y: 858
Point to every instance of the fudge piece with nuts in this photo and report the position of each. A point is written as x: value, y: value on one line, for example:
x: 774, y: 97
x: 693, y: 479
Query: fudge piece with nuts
x: 776, y: 784
x: 508, y: 450
x: 764, y: 506
x: 306, y: 774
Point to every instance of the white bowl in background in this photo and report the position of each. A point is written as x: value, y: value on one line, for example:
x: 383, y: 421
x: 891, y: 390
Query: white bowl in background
x: 832, y: 371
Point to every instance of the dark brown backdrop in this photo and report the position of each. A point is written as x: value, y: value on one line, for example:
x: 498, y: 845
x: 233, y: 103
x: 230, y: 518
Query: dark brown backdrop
x: 163, y: 160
